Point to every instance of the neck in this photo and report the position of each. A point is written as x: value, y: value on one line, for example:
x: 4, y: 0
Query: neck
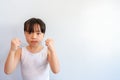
x: 34, y: 49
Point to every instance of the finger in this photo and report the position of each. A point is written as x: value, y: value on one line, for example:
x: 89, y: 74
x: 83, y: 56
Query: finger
x: 17, y: 42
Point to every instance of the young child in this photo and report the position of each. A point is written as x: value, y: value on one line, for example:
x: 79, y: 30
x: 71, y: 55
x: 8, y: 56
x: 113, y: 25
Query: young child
x: 34, y: 58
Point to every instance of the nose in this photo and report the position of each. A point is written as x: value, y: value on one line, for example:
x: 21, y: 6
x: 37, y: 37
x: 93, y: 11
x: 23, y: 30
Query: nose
x: 34, y: 35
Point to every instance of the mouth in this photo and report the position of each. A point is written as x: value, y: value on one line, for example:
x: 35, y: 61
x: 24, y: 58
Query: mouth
x: 33, y: 42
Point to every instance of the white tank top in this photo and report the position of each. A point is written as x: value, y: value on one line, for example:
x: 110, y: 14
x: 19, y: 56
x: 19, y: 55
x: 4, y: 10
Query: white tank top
x: 34, y: 66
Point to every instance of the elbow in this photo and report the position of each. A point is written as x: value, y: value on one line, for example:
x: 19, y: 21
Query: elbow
x: 7, y: 71
x: 56, y: 71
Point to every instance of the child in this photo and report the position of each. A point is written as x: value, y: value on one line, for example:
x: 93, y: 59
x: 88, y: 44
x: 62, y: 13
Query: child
x: 35, y: 57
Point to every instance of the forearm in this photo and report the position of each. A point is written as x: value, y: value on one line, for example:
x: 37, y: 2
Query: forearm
x: 54, y: 62
x: 52, y: 56
x: 9, y: 64
x: 13, y: 56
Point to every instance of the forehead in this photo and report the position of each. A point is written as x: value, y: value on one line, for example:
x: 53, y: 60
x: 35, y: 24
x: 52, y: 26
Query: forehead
x: 34, y: 28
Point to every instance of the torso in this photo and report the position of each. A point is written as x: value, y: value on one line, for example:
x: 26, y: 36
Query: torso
x: 34, y: 65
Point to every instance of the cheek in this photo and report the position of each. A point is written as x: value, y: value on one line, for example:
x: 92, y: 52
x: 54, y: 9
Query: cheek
x: 41, y: 38
x: 27, y: 38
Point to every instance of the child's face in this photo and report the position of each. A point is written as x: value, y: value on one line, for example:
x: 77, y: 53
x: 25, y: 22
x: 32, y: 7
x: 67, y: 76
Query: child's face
x: 34, y: 38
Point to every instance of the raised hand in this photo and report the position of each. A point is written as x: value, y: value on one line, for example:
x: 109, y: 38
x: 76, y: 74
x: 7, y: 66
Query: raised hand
x: 49, y: 44
x: 15, y: 44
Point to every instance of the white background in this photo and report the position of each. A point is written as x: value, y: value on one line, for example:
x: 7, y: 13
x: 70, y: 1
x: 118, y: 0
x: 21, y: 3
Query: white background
x: 86, y: 35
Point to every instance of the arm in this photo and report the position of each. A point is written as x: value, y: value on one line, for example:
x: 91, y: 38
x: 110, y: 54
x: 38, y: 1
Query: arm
x: 13, y: 57
x: 52, y: 57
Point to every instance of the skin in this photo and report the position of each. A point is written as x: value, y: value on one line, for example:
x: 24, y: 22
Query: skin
x: 34, y: 39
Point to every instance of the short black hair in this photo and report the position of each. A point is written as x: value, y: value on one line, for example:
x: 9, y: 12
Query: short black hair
x: 28, y: 25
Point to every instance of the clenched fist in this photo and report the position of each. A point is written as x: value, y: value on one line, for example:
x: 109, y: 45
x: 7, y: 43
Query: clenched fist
x: 15, y: 43
x: 49, y: 44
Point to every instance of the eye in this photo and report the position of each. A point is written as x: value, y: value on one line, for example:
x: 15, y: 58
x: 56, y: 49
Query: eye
x: 38, y: 33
